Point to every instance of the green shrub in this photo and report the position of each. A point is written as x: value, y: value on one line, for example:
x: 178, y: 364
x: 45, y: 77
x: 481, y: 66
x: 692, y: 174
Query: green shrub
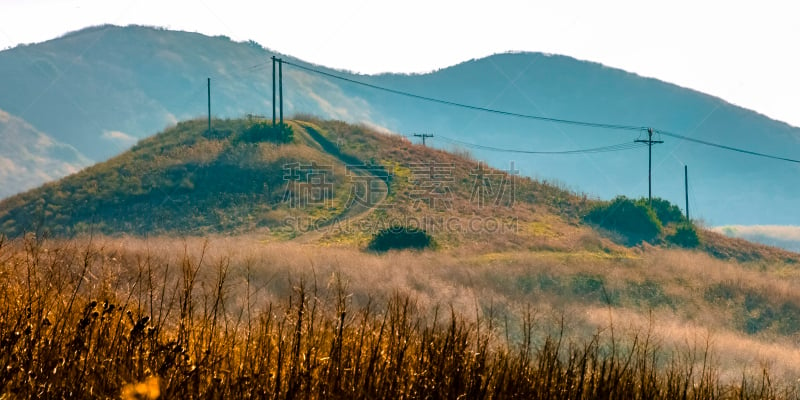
x: 666, y: 212
x: 632, y: 219
x: 400, y: 237
x: 263, y: 131
x: 685, y: 236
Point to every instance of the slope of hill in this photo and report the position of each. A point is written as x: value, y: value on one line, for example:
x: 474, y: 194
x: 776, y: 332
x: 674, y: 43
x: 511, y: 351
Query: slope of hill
x: 29, y: 158
x: 186, y: 180
x: 83, y: 90
x: 324, y: 181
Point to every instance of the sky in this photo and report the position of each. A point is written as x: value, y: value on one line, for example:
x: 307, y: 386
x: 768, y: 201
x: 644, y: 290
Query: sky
x: 745, y: 52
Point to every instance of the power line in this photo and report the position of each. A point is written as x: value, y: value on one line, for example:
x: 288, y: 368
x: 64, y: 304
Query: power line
x: 471, y: 107
x: 722, y: 146
x: 650, y: 142
x: 603, y: 149
x: 538, y: 118
x: 423, y: 136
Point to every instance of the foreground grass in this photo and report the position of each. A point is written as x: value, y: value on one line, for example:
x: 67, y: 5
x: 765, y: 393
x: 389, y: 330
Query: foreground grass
x: 81, y: 320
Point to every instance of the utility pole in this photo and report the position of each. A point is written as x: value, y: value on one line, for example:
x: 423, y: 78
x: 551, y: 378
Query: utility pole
x: 273, y: 90
x: 209, y: 105
x: 650, y: 142
x: 280, y: 86
x: 686, y: 188
x: 423, y: 136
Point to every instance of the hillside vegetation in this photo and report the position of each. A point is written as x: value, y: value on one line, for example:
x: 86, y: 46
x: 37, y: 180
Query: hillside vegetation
x: 240, y: 177
x: 183, y: 180
x: 343, y: 183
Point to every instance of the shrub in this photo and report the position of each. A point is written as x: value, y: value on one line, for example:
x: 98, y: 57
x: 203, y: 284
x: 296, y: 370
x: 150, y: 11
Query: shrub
x: 666, y: 212
x: 636, y: 221
x: 263, y: 131
x: 400, y: 237
x: 685, y: 236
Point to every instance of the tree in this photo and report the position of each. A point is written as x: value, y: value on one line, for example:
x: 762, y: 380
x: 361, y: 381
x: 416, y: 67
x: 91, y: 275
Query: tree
x: 636, y: 221
x: 685, y: 236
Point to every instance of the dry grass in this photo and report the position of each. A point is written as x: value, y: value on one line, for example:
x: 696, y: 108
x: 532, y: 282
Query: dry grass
x: 237, y: 318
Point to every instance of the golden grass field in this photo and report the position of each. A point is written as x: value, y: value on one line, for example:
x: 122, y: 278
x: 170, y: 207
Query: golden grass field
x: 246, y: 317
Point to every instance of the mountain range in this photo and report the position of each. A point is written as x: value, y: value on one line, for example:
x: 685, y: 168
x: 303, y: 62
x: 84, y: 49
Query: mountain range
x: 96, y: 92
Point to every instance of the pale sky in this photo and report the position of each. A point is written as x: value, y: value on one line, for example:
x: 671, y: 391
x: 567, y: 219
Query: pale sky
x: 744, y: 52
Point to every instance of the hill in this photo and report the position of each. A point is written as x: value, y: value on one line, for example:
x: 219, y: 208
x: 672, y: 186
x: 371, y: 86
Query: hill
x: 82, y: 90
x: 331, y: 182
x: 187, y: 180
x: 184, y: 180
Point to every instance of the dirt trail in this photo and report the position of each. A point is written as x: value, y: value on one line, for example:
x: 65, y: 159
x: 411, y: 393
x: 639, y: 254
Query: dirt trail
x: 355, y: 210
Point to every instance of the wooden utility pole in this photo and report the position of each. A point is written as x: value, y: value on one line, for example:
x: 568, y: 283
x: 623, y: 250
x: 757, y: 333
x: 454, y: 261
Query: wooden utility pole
x: 650, y: 142
x: 423, y: 136
x: 686, y: 188
x: 209, y: 105
x: 280, y: 86
x: 273, y: 90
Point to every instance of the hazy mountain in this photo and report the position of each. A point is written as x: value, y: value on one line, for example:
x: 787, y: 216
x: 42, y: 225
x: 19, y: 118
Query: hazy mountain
x: 29, y: 158
x: 101, y: 89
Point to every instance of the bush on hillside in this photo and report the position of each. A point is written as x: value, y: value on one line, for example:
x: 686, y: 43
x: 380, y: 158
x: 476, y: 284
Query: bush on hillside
x: 666, y: 212
x: 636, y: 221
x: 399, y: 238
x: 264, y: 131
x: 685, y: 236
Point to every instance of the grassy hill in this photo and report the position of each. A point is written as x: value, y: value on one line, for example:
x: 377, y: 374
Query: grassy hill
x: 328, y: 181
x: 185, y: 180
x: 188, y: 181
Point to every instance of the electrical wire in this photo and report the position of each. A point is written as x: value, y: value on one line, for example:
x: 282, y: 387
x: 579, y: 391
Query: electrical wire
x: 541, y: 118
x: 603, y: 149
x: 471, y: 107
x: 722, y: 146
